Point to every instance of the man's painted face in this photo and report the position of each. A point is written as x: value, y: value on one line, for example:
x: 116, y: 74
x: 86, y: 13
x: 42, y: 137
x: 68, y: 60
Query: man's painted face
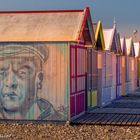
x: 17, y: 82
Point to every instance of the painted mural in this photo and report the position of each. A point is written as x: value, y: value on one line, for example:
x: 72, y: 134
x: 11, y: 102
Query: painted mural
x: 28, y: 72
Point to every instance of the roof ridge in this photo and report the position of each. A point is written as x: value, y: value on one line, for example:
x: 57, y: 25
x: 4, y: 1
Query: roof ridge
x: 38, y: 11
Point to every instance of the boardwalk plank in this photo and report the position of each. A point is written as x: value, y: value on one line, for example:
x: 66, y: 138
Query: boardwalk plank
x: 95, y: 120
x: 117, y: 119
x: 101, y: 120
x: 130, y: 121
x: 122, y: 119
x: 84, y: 117
x: 106, y: 118
x: 93, y: 116
x: 113, y: 118
x: 128, y: 117
x: 136, y: 120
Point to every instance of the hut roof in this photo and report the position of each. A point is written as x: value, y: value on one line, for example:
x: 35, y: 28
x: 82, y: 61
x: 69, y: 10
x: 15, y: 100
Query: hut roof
x: 112, y: 40
x: 108, y: 37
x: 99, y: 37
x: 58, y: 25
x: 130, y: 47
x: 123, y: 45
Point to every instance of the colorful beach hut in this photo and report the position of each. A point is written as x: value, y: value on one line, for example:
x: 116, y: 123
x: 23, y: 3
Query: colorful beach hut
x: 112, y: 49
x: 130, y: 66
x: 43, y: 64
x: 95, y: 67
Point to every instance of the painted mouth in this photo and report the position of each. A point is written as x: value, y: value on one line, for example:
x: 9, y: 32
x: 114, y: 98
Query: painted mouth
x: 9, y: 95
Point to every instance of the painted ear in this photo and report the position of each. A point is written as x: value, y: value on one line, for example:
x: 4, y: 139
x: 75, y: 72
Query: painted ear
x: 40, y: 79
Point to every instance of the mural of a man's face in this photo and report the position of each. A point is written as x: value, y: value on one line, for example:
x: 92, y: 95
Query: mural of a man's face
x: 20, y: 78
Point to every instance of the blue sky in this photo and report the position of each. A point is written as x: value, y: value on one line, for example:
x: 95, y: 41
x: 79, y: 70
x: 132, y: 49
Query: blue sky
x: 126, y: 12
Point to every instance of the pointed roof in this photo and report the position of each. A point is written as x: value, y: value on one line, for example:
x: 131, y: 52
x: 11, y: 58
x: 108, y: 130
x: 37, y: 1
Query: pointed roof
x: 99, y: 37
x: 123, y: 46
x: 118, y: 43
x: 137, y: 49
x: 108, y: 37
x: 57, y: 25
x: 130, y: 47
x: 112, y: 40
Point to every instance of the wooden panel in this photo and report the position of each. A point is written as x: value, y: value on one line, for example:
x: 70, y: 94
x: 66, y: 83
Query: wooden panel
x: 36, y: 75
x: 80, y: 103
x: 72, y: 106
x: 92, y: 77
x: 106, y: 95
x: 89, y: 99
x: 123, y: 75
x: 94, y: 98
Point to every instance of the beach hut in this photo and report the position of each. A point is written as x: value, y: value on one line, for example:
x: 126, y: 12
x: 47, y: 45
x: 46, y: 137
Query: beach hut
x: 112, y: 49
x: 95, y: 56
x: 130, y: 66
x: 43, y: 64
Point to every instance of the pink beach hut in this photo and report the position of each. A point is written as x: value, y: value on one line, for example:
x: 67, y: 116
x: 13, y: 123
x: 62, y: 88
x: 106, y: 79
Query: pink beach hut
x: 112, y: 73
x: 48, y: 50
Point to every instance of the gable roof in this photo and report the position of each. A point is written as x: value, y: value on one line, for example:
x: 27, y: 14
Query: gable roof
x: 98, y: 30
x: 123, y: 46
x: 112, y: 40
x: 59, y: 25
x: 137, y: 49
x: 130, y: 47
x: 118, y: 43
x: 108, y: 37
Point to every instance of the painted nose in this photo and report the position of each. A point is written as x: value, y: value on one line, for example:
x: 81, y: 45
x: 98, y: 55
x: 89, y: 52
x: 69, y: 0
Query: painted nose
x: 11, y: 80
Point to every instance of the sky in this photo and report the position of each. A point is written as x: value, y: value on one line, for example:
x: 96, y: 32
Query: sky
x: 125, y: 12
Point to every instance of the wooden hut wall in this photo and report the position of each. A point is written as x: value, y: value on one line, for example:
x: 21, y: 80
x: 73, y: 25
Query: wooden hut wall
x: 78, y: 74
x: 37, y: 79
x: 128, y: 83
x: 92, y: 78
x: 107, y: 77
x: 123, y: 69
x: 89, y: 77
x: 118, y: 75
x: 136, y: 73
x: 113, y: 88
x: 100, y: 67
x: 133, y: 74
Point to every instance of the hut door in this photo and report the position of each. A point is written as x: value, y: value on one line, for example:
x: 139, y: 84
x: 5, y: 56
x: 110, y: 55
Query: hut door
x: 78, y: 74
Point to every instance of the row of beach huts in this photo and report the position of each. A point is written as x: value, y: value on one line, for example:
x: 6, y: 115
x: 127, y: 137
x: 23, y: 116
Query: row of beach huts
x: 87, y: 66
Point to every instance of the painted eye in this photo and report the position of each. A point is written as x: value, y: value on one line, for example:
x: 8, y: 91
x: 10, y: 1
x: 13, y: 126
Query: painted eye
x: 3, y: 73
x: 22, y: 72
x: 2, y: 70
x: 25, y: 72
